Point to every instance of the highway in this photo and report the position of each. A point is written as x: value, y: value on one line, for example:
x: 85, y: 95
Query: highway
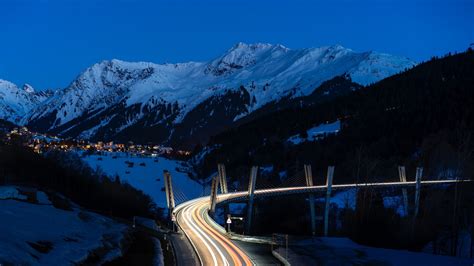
x: 211, y: 244
x: 209, y: 240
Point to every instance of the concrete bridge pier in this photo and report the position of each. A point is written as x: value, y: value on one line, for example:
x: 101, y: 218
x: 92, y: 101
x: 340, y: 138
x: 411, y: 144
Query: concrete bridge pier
x: 169, y: 192
x: 419, y: 174
x: 251, y: 191
x: 222, y: 178
x: 403, y: 178
x: 328, y: 198
x: 213, y: 200
x: 309, y: 182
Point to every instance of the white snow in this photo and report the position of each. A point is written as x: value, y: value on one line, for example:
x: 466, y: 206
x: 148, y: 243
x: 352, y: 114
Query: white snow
x: 15, y: 102
x: 267, y: 71
x: 159, y: 258
x: 72, y: 234
x: 347, y: 199
x: 42, y: 198
x: 343, y: 251
x: 396, y: 203
x: 9, y: 192
x: 317, y: 132
x: 148, y: 178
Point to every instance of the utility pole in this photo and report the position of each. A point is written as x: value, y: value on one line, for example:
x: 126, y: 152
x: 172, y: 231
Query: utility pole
x: 309, y: 182
x: 251, y: 191
x: 328, y: 198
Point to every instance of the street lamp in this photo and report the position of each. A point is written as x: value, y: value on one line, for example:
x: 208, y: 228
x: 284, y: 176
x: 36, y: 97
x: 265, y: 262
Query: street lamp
x: 229, y: 221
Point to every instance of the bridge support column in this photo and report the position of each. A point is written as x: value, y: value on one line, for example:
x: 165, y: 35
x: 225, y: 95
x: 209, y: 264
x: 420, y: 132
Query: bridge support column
x: 309, y: 182
x: 403, y: 178
x: 419, y: 174
x: 223, y: 178
x: 214, y: 186
x: 328, y: 198
x: 169, y: 192
x: 251, y: 190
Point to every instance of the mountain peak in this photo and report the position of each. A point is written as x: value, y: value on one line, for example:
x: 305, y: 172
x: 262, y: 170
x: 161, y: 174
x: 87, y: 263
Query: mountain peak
x: 242, y: 55
x: 241, y: 46
x: 6, y: 84
x: 28, y: 88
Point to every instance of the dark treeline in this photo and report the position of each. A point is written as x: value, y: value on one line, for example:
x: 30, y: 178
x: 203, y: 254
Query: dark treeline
x: 421, y: 117
x: 67, y: 174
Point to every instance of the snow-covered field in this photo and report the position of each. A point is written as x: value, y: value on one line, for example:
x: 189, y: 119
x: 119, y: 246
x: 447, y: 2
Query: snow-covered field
x: 40, y: 234
x: 147, y: 175
x: 317, y: 132
x: 343, y: 251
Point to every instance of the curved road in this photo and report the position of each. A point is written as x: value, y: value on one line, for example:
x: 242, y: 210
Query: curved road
x: 209, y: 240
x: 210, y: 244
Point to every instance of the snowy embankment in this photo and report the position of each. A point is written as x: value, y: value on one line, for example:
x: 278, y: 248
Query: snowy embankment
x: 317, y: 132
x: 343, y: 251
x: 37, y: 233
x: 146, y: 174
x: 159, y: 258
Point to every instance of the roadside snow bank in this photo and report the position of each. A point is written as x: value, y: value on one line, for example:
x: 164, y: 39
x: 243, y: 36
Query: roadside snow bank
x: 35, y: 234
x: 343, y: 251
x: 9, y: 192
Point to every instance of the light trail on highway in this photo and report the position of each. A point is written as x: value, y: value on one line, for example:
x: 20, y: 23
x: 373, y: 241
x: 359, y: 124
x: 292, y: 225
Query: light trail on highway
x: 209, y: 239
x: 210, y: 244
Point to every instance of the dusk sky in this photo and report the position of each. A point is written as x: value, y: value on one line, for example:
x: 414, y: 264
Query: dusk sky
x: 47, y: 43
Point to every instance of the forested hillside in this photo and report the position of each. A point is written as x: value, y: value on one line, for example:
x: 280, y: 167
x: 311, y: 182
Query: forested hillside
x: 421, y: 117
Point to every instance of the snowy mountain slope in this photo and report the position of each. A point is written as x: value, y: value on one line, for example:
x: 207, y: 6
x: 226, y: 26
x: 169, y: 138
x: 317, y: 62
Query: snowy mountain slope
x: 16, y: 102
x: 117, y: 99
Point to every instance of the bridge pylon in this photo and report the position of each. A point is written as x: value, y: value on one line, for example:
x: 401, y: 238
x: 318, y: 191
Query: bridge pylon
x: 169, y: 192
x: 329, y: 179
x: 309, y: 182
x: 251, y: 191
x: 419, y: 174
x: 403, y: 178
x: 214, y: 187
x: 222, y: 178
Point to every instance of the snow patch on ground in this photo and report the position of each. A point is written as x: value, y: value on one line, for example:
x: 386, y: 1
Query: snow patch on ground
x: 159, y: 259
x: 42, y: 198
x: 8, y: 192
x: 343, y: 251
x: 147, y: 175
x: 347, y: 199
x: 317, y: 132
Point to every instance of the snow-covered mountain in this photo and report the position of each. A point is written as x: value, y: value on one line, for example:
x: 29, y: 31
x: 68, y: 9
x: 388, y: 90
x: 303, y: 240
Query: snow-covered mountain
x: 17, y: 102
x: 175, y: 102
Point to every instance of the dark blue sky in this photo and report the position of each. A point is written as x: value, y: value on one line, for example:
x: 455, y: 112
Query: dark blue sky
x: 47, y: 43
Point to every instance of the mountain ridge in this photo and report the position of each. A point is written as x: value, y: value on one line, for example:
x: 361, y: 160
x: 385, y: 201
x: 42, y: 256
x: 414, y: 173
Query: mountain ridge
x: 160, y: 96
